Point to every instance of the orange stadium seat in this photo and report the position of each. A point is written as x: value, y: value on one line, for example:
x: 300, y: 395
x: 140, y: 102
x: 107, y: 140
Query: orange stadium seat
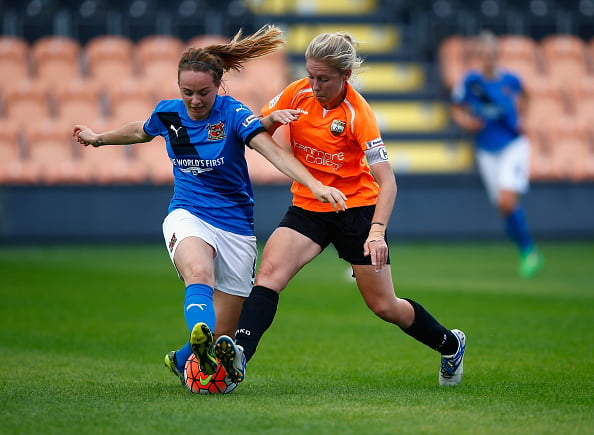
x: 206, y: 40
x: 131, y: 101
x: 581, y: 98
x: 564, y: 56
x: 568, y: 146
x: 111, y: 163
x: 541, y: 162
x: 50, y: 150
x: 25, y: 101
x: 13, y: 166
x: 545, y: 108
x: 56, y: 59
x: 78, y: 102
x: 453, y: 54
x: 158, y: 57
x: 14, y: 60
x: 153, y: 160
x: 110, y: 59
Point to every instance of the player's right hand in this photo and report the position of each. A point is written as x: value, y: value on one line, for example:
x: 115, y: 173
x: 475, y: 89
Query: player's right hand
x: 84, y: 135
x: 331, y: 195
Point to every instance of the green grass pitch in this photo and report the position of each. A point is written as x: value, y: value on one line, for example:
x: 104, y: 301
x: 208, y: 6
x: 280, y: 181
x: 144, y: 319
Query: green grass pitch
x: 84, y: 330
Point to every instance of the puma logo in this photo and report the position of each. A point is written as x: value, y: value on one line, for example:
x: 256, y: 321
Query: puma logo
x: 172, y: 127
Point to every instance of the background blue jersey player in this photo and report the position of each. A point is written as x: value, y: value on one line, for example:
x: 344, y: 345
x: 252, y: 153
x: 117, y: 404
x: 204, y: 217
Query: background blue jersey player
x: 209, y: 231
x: 488, y: 102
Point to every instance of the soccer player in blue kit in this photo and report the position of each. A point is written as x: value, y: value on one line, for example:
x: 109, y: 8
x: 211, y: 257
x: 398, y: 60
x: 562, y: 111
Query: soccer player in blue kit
x: 489, y: 103
x: 209, y: 231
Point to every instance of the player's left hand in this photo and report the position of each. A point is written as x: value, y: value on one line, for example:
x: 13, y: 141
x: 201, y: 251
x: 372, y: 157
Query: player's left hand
x: 377, y: 248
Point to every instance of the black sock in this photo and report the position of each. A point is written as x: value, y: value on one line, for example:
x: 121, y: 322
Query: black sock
x: 256, y: 317
x: 430, y: 332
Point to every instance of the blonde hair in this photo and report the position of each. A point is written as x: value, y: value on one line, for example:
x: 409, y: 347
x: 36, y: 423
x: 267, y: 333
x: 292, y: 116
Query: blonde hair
x: 220, y: 58
x: 338, y: 50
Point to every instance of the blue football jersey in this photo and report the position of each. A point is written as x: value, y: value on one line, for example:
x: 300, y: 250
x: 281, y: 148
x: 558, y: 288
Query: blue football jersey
x: 493, y: 100
x: 210, y: 172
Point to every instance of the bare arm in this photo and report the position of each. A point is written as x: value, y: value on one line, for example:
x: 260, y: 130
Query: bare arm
x: 286, y: 162
x: 130, y: 133
x: 376, y: 245
x: 461, y: 116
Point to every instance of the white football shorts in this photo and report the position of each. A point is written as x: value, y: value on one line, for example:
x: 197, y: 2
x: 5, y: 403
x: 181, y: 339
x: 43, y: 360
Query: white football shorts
x: 507, y: 169
x: 235, y: 255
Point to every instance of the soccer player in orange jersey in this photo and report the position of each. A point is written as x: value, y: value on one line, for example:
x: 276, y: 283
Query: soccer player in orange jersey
x: 333, y: 132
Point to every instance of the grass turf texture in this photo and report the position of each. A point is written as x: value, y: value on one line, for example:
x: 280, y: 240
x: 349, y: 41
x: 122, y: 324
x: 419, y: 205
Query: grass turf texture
x: 84, y: 330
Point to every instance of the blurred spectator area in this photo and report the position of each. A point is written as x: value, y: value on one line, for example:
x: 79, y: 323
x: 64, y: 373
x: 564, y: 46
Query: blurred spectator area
x: 558, y: 75
x: 106, y: 62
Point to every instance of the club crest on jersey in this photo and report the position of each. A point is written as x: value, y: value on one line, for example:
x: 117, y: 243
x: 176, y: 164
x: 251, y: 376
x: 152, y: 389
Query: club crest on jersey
x: 216, y: 131
x: 337, y: 127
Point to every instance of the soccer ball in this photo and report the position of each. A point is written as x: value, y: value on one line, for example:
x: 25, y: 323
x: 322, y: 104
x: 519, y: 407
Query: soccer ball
x: 200, y: 383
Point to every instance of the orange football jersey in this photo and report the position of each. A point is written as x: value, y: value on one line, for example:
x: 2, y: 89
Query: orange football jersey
x: 331, y: 144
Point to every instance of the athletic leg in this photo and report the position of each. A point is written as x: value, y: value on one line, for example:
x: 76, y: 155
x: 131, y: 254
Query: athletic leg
x: 285, y: 253
x: 378, y: 293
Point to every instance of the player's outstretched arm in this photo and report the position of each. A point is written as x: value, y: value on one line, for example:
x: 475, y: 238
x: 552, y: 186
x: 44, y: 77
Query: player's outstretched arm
x: 130, y: 133
x: 286, y: 162
x: 280, y: 117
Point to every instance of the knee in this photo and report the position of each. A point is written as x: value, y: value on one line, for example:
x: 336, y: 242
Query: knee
x: 385, y: 310
x: 272, y: 276
x: 198, y: 273
x: 392, y: 311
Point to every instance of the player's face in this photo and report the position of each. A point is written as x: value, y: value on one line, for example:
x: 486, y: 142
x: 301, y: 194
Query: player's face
x: 198, y: 92
x: 328, y: 84
x: 487, y: 56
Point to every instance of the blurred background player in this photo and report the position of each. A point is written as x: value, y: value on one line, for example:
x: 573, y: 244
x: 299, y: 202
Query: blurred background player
x: 489, y: 103
x: 209, y: 231
x: 334, y: 133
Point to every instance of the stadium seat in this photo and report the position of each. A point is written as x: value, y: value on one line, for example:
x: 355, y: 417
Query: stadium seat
x: 568, y: 148
x: 431, y: 156
x: 152, y: 159
x: 372, y: 38
x: 410, y: 116
x: 13, y: 167
x: 312, y: 7
x: 564, y: 56
x: 26, y: 100
x: 517, y: 46
x: 131, y: 101
x: 50, y: 151
x: 78, y: 102
x: 14, y: 61
x: 543, y: 108
x: 158, y: 58
x: 453, y: 57
x: 265, y: 77
x: 56, y: 59
x: 110, y: 59
x: 111, y: 164
x: 581, y: 98
x: 390, y: 77
x: 202, y: 41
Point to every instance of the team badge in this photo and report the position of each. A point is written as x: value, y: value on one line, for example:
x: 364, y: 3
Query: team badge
x: 337, y: 127
x: 172, y: 242
x: 216, y: 131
